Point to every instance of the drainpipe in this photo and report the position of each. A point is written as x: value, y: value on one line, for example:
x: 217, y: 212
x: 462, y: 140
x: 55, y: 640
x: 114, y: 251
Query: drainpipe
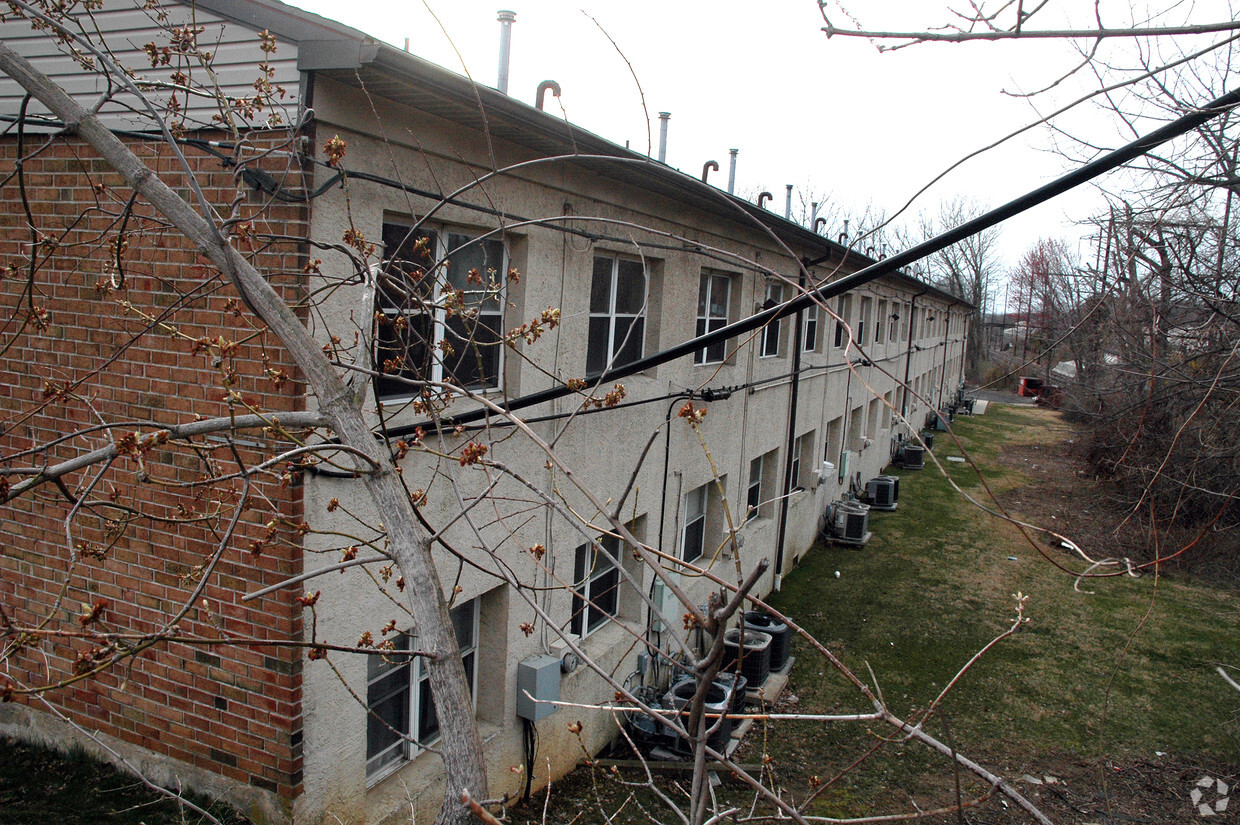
x: 732, y: 170
x: 793, y: 394
x: 908, y: 354
x: 542, y: 92
x: 506, y: 19
x: 788, y: 204
x: 664, y: 117
x: 947, y: 315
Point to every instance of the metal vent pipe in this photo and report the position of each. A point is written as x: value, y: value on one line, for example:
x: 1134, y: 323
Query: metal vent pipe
x: 664, y: 117
x: 732, y: 171
x: 506, y: 19
x: 788, y: 204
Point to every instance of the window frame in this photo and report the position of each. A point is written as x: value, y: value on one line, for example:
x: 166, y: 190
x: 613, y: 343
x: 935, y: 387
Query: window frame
x: 696, y: 524
x: 414, y: 682
x: 708, y: 321
x: 590, y: 609
x: 769, y: 345
x: 611, y: 358
x: 753, y: 490
x: 843, y: 308
x: 809, y: 334
x: 437, y: 324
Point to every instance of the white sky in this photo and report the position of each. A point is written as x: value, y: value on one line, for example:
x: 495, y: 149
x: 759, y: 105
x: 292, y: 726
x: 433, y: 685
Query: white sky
x: 834, y: 115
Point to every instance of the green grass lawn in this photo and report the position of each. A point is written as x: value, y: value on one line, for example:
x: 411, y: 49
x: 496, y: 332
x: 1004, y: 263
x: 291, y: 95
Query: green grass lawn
x: 1084, y: 678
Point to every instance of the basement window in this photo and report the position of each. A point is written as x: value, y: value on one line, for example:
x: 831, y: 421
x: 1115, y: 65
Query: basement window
x: 401, y: 719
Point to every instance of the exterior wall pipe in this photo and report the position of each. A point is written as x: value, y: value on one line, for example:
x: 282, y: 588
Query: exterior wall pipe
x: 707, y: 167
x: 788, y: 204
x: 908, y: 354
x: 542, y: 92
x: 506, y: 19
x: 664, y: 117
x: 793, y: 395
x: 732, y: 170
x: 763, y: 197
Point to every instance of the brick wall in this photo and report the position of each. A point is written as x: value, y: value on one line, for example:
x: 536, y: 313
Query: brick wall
x: 83, y: 343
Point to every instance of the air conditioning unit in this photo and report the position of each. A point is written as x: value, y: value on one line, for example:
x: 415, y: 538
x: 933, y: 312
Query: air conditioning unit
x: 848, y: 521
x: 883, y: 492
x: 913, y: 456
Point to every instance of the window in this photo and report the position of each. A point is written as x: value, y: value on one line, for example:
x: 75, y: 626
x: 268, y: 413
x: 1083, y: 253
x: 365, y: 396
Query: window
x: 887, y: 411
x: 835, y: 442
x: 693, y: 534
x: 809, y: 336
x: 753, y: 493
x: 871, y: 421
x: 894, y: 331
x: 843, y: 308
x: 714, y: 296
x: 802, y: 452
x: 617, y: 314
x: 866, y: 303
x: 441, y: 309
x: 880, y: 322
x: 596, y: 582
x: 401, y: 715
x: 770, y: 333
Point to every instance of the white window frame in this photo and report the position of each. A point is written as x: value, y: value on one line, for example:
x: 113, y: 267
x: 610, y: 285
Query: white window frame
x: 809, y: 334
x: 880, y: 321
x: 596, y: 596
x: 770, y: 333
x: 612, y: 316
x: 753, y: 491
x: 487, y: 304
x: 862, y: 318
x: 843, y: 308
x: 411, y: 678
x: 794, y: 469
x: 707, y: 320
x: 693, y: 511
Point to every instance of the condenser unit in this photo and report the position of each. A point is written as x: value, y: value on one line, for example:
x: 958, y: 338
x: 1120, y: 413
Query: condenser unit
x: 849, y: 520
x: 883, y: 492
x: 913, y: 457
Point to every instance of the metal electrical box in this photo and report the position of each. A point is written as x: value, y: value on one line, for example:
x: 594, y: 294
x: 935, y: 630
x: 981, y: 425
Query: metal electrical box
x: 538, y: 676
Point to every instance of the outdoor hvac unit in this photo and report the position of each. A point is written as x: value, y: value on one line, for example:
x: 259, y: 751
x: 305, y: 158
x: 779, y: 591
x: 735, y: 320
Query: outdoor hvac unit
x: 883, y: 492
x: 849, y: 520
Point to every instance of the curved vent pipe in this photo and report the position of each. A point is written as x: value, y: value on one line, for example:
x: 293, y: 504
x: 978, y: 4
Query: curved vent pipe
x: 763, y: 197
x: 707, y: 167
x: 542, y: 92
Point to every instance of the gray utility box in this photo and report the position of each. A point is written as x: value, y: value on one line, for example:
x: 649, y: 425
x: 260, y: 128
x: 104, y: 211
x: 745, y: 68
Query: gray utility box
x: 539, y: 676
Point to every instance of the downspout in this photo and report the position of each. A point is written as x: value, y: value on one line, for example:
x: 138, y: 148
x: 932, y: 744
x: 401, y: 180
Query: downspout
x: 793, y: 394
x: 947, y: 317
x: 908, y: 355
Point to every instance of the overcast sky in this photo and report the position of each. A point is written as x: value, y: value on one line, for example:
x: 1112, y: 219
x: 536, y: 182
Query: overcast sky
x: 829, y: 115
